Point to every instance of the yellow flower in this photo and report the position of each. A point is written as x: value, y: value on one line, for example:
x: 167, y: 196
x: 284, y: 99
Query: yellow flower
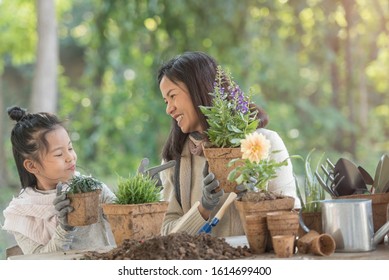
x: 255, y: 147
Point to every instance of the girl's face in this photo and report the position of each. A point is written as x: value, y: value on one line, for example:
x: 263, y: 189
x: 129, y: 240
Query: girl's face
x: 58, y: 163
x: 179, y: 105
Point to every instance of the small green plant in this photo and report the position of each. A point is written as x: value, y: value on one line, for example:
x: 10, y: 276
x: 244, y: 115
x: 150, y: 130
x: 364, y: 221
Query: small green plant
x: 311, y: 193
x: 137, y: 189
x: 83, y: 184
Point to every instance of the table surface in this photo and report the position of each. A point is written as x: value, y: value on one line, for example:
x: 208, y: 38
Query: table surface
x: 381, y: 253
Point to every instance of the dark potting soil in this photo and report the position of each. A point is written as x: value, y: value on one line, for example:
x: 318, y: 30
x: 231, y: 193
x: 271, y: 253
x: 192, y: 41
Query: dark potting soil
x: 177, y: 246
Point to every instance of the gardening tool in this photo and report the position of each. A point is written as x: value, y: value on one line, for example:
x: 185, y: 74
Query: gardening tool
x: 332, y: 179
x: 366, y: 176
x: 353, y: 182
x: 381, y: 178
x: 153, y: 172
x: 207, y: 227
x: 350, y: 223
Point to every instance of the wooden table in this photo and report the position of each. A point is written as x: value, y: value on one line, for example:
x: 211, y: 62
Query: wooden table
x: 381, y: 253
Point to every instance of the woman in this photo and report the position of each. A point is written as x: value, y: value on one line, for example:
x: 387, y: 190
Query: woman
x: 185, y: 83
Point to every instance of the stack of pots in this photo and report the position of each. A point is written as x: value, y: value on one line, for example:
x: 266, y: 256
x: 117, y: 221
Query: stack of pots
x: 256, y: 233
x: 283, y: 223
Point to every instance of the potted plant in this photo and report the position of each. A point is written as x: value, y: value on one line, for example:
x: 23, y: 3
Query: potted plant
x: 310, y: 194
x: 254, y: 169
x: 229, y: 120
x: 137, y: 212
x: 83, y: 192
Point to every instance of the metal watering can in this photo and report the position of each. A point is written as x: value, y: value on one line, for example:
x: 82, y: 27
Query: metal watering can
x: 350, y: 223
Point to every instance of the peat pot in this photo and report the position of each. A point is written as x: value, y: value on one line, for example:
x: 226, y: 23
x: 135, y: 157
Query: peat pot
x: 85, y: 208
x: 135, y: 221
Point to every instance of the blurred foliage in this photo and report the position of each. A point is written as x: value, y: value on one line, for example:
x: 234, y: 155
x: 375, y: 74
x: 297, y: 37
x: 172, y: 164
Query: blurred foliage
x: 293, y: 54
x: 320, y: 68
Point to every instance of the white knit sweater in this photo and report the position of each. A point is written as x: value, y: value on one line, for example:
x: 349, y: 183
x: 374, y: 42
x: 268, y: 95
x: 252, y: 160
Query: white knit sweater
x: 32, y: 219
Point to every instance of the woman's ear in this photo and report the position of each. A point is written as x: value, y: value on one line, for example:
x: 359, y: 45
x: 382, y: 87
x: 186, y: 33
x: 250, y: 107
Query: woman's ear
x: 30, y: 166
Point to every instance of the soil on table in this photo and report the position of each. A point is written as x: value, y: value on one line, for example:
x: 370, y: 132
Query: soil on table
x: 176, y: 246
x: 261, y: 196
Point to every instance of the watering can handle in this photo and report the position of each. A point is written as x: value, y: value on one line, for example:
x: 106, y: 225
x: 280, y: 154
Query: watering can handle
x: 301, y: 222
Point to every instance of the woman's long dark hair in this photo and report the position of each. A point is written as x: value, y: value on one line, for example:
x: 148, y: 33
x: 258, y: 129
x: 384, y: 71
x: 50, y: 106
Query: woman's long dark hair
x: 197, y: 71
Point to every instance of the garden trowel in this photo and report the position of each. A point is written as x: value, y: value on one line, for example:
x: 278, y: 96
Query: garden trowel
x: 207, y: 227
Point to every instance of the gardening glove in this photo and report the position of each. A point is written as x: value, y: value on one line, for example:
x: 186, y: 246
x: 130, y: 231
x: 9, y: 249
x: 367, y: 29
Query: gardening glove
x: 241, y: 189
x: 210, y: 198
x: 153, y: 172
x: 62, y: 205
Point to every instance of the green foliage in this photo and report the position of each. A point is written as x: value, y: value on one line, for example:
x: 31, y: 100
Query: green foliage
x: 229, y: 117
x: 262, y: 172
x: 137, y: 189
x: 83, y: 184
x: 311, y: 193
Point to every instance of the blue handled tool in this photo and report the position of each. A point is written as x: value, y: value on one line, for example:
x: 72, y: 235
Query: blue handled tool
x: 207, y: 227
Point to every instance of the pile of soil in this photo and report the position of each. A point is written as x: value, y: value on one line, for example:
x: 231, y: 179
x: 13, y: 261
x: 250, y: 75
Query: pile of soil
x: 176, y: 246
x: 261, y: 196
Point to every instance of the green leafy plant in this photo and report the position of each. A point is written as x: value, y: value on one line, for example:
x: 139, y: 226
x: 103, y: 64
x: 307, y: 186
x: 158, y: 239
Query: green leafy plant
x: 83, y: 184
x: 255, y: 168
x: 311, y: 193
x: 137, y: 189
x: 229, y: 117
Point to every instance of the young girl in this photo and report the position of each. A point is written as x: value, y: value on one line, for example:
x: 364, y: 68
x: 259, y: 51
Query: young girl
x: 44, y: 158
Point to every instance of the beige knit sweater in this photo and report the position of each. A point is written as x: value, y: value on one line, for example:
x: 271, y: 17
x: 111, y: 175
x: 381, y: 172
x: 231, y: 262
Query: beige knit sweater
x: 191, y: 184
x: 32, y: 219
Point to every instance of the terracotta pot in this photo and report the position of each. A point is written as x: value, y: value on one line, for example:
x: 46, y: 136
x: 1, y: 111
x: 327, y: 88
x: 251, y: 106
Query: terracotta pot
x: 218, y: 159
x: 323, y: 245
x: 284, y: 245
x: 282, y: 220
x: 313, y: 221
x: 135, y: 221
x: 318, y: 244
x: 257, y: 233
x: 86, y: 208
x: 261, y: 208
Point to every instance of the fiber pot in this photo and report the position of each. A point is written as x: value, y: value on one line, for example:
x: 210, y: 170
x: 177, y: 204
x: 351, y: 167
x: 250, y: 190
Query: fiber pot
x: 86, y: 208
x: 218, y: 159
x: 135, y: 221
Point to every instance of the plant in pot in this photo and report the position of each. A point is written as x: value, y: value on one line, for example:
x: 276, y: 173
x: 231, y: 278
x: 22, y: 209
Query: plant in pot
x: 229, y: 119
x: 83, y: 193
x: 137, y: 213
x: 310, y: 194
x: 254, y: 170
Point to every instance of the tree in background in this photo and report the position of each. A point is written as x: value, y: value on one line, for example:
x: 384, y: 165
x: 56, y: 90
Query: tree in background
x: 320, y: 69
x: 44, y: 96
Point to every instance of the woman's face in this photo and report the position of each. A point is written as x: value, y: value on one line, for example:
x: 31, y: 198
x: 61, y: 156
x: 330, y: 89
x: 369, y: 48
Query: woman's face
x: 179, y: 105
x: 58, y: 163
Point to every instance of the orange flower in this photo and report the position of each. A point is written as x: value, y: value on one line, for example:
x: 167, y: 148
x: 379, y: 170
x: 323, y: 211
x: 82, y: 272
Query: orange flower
x: 255, y: 147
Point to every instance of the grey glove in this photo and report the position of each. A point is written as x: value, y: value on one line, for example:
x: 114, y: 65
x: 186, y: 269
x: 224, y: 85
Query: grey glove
x: 241, y: 189
x: 153, y: 172
x: 210, y: 198
x: 62, y: 205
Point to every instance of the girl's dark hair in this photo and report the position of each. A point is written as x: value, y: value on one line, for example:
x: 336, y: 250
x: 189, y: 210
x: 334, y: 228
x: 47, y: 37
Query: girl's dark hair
x: 197, y: 71
x: 28, y: 138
